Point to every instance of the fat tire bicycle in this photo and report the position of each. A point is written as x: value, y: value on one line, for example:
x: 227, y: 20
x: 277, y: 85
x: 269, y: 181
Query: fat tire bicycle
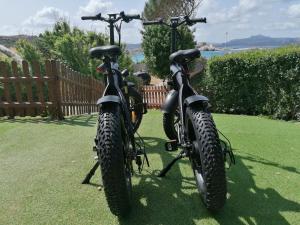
x: 189, y: 124
x: 115, y: 143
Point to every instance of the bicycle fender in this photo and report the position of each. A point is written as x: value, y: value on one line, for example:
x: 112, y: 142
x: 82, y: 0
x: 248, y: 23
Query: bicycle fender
x: 195, y: 98
x: 131, y: 84
x: 109, y: 99
x: 171, y: 102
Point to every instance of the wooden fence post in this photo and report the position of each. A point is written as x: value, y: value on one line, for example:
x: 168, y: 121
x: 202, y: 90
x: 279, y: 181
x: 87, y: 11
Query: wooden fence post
x: 29, y: 111
x: 39, y: 87
x: 56, y: 70
x: 90, y: 95
x: 62, y: 82
x: 19, y: 111
x: 7, y: 97
x: 52, y: 72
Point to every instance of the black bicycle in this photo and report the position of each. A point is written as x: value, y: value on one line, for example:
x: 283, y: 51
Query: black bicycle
x: 189, y: 125
x: 115, y: 143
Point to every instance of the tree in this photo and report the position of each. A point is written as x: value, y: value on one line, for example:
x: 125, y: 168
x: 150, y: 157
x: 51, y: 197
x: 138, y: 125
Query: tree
x: 28, y: 51
x: 157, y: 39
x: 167, y: 8
x: 157, y: 44
x: 69, y: 45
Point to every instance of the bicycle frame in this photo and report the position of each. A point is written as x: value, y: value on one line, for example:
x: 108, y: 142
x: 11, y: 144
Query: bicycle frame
x: 114, y: 83
x: 113, y: 90
x: 113, y: 94
x: 184, y: 96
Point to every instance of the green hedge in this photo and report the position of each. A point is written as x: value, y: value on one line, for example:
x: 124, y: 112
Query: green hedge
x: 256, y: 82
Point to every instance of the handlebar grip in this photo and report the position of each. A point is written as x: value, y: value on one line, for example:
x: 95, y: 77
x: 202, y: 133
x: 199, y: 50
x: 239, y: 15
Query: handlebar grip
x: 152, y: 22
x: 88, y: 17
x: 134, y: 16
x: 127, y: 18
x: 198, y: 20
x: 97, y: 17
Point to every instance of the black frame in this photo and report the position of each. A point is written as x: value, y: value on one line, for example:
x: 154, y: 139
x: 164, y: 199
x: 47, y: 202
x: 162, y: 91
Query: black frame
x: 182, y: 90
x: 113, y: 93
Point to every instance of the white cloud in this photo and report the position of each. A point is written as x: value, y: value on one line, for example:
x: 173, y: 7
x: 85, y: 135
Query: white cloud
x: 237, y: 13
x: 294, y: 11
x: 94, y: 7
x: 45, y: 17
x: 8, y: 30
x: 40, y: 21
x: 282, y: 26
x: 244, y: 6
x: 242, y: 18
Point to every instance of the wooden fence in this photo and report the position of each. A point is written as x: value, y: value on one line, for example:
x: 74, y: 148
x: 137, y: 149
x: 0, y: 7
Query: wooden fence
x: 154, y: 96
x: 54, y: 89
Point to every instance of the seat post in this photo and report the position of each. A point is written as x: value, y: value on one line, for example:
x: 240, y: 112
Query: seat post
x: 173, y: 39
x: 107, y: 62
x: 174, y: 25
x: 111, y: 21
x: 111, y: 33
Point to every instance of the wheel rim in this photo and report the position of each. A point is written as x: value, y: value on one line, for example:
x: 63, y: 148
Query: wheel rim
x: 133, y: 111
x: 176, y: 119
x: 128, y: 180
x: 127, y: 171
x: 198, y: 171
x: 200, y: 182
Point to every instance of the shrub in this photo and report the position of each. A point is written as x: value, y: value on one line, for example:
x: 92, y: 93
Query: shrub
x: 256, y: 82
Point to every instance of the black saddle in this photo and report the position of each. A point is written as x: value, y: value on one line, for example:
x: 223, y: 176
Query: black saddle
x: 184, y: 55
x: 108, y: 50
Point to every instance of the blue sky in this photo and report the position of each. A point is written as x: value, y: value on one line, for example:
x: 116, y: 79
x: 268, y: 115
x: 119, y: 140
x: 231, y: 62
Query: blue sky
x: 240, y: 18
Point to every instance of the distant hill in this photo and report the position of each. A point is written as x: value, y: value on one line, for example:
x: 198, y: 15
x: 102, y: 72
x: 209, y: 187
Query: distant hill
x: 10, y: 41
x: 132, y: 48
x: 259, y: 41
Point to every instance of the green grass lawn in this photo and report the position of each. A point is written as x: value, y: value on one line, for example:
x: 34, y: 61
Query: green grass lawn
x: 42, y: 164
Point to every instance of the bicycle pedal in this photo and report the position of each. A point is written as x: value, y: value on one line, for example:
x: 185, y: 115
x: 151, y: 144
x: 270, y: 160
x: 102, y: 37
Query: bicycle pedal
x: 138, y: 160
x: 171, y: 146
x: 139, y: 152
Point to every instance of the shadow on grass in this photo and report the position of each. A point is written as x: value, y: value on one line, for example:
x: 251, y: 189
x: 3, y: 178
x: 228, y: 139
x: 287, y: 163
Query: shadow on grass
x: 172, y: 200
x: 81, y: 120
x: 260, y: 160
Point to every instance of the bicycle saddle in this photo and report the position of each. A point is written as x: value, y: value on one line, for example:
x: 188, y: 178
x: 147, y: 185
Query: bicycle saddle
x: 108, y: 50
x: 183, y: 55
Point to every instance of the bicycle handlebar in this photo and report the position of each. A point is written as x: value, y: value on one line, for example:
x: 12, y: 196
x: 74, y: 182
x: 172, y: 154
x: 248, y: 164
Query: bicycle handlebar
x: 154, y: 22
x: 88, y: 18
x: 134, y: 16
x: 191, y: 22
x: 186, y: 20
x: 97, y: 17
x: 127, y: 17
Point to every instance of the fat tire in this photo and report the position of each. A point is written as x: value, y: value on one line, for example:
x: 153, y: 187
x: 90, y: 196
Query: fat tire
x: 211, y: 158
x: 168, y: 125
x: 111, y: 160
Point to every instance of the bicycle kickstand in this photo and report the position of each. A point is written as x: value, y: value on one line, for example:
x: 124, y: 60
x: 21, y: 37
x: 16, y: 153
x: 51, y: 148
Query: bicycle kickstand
x: 90, y: 174
x: 169, y: 166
